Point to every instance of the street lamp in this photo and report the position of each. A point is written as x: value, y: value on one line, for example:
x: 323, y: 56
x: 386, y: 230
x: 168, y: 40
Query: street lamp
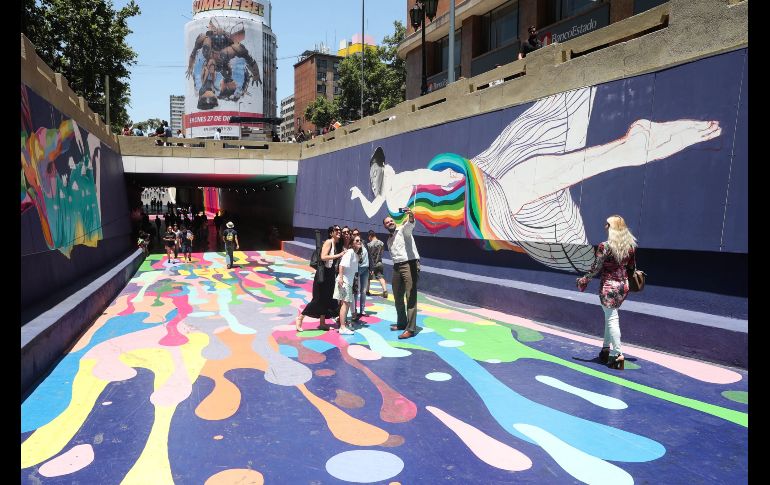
x: 422, y: 9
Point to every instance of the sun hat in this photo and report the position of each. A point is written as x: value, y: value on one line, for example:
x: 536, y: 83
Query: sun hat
x: 230, y: 225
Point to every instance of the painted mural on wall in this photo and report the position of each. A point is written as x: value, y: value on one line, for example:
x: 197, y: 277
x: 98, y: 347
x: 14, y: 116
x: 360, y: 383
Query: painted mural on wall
x: 516, y: 193
x: 60, y: 167
x: 195, y: 374
x: 664, y: 150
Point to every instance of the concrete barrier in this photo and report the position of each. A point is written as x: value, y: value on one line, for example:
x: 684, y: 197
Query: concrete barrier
x: 47, y: 338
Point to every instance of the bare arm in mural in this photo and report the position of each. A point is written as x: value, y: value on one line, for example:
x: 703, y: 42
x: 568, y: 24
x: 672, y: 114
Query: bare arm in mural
x: 645, y: 141
x: 395, y: 189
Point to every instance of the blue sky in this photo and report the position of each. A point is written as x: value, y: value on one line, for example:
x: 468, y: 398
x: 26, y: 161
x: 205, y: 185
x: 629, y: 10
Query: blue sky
x: 158, y: 39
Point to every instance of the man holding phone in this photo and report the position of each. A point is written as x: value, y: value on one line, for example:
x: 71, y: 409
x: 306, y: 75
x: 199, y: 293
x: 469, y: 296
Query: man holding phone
x: 406, y: 272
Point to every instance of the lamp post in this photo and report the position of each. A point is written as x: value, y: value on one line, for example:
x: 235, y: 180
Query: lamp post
x: 418, y: 13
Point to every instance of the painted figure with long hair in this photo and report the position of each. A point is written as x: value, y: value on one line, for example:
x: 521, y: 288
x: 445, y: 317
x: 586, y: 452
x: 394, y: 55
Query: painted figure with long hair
x: 516, y: 193
x: 613, y: 258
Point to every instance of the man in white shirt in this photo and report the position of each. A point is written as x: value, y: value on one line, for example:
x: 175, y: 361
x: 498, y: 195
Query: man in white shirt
x: 218, y: 134
x: 406, y: 272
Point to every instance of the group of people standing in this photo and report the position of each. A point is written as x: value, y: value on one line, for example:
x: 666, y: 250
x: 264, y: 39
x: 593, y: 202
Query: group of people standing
x: 177, y: 238
x: 347, y: 266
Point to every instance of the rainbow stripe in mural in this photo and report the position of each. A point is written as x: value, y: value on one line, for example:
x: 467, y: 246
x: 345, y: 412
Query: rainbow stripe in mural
x: 437, y: 208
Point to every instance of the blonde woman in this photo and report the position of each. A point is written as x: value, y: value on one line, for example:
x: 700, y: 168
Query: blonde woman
x: 613, y: 257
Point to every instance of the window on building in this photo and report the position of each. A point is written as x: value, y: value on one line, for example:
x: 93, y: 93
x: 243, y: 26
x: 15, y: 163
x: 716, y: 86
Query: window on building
x: 500, y: 26
x: 322, y: 64
x: 561, y: 9
x: 321, y: 76
x: 321, y: 88
x: 441, y: 57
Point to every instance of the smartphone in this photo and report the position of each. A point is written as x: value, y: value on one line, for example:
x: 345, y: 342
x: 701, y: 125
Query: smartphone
x: 403, y: 209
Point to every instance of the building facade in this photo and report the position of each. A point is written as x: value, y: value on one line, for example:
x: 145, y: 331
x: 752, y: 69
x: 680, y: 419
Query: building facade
x: 176, y: 113
x: 316, y: 74
x: 490, y: 33
x: 287, y: 115
x: 231, y: 67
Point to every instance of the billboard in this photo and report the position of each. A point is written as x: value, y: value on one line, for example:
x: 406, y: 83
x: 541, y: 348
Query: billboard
x: 224, y: 72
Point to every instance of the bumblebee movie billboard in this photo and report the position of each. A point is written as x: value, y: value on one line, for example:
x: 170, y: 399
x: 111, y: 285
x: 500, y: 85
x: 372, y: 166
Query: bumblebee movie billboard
x: 224, y: 71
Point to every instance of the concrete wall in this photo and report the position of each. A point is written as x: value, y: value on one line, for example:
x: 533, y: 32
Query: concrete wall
x: 687, y: 203
x: 74, y: 210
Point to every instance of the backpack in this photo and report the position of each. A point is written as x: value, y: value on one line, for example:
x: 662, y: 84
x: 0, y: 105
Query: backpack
x: 315, y: 258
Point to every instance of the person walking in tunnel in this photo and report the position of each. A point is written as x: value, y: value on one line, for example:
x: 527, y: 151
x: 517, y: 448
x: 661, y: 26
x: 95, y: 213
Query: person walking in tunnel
x: 187, y: 243
x: 230, y: 238
x: 323, y: 305
x: 614, y: 257
x: 406, y: 273
x: 169, y: 241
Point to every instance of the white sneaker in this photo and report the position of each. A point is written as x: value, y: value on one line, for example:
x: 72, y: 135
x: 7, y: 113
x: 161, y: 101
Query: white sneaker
x: 346, y: 331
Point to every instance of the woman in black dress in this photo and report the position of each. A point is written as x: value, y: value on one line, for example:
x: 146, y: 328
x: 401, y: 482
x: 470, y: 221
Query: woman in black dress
x: 323, y: 306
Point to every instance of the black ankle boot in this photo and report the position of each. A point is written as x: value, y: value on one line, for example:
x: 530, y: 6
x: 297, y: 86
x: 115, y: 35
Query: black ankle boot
x: 604, y: 355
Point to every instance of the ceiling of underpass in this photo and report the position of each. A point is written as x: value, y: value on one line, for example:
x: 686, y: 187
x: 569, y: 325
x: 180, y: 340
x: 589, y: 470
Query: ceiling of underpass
x: 206, y: 180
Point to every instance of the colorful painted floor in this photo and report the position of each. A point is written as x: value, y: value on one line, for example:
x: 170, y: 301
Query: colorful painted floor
x: 195, y: 374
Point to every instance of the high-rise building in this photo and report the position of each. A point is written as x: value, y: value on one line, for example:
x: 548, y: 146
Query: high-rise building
x: 231, y: 58
x: 287, y: 115
x: 316, y: 74
x: 176, y: 112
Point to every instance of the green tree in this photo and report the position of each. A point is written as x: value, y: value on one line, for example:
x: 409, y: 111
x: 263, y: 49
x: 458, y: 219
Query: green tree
x: 395, y: 81
x: 85, y: 40
x: 384, y: 78
x: 148, y: 126
x: 322, y: 112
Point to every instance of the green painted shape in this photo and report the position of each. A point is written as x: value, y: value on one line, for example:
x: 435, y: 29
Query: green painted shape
x: 311, y: 333
x: 278, y: 301
x: 631, y: 366
x: 147, y: 263
x: 484, y: 342
x: 523, y: 334
x: 737, y: 396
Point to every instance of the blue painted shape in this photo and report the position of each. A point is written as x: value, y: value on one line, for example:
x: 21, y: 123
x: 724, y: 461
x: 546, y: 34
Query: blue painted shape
x: 508, y: 407
x: 317, y: 345
x: 54, y: 394
x: 370, y: 466
x: 288, y: 350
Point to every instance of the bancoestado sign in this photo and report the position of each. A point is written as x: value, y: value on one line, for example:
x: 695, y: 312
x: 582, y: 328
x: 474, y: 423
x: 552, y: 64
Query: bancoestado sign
x: 577, y: 26
x: 247, y: 6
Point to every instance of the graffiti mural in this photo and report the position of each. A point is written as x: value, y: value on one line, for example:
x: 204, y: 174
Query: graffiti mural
x: 516, y: 193
x: 60, y: 167
x: 195, y: 374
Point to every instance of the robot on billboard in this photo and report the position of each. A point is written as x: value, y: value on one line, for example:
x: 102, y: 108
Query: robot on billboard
x: 219, y: 47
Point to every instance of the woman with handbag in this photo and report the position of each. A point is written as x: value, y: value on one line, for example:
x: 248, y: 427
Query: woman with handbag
x: 323, y: 305
x: 614, y: 258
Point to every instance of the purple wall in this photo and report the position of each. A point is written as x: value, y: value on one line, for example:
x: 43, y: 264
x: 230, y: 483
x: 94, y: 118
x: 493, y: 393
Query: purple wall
x: 688, y: 209
x: 74, y: 209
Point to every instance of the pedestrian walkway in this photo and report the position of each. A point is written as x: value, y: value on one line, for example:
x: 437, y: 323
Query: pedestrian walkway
x: 195, y: 374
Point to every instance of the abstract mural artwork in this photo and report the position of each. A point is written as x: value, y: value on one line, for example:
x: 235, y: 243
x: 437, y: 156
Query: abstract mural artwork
x: 60, y: 177
x: 195, y: 374
x: 515, y: 195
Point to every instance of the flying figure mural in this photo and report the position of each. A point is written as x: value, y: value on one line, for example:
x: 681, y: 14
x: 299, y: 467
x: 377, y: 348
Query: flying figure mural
x: 218, y: 47
x: 516, y: 192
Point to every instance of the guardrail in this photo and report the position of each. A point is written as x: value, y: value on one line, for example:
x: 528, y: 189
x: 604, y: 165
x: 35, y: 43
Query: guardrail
x: 203, y: 148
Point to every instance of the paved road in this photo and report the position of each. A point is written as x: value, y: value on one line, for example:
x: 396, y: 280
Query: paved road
x: 195, y: 374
